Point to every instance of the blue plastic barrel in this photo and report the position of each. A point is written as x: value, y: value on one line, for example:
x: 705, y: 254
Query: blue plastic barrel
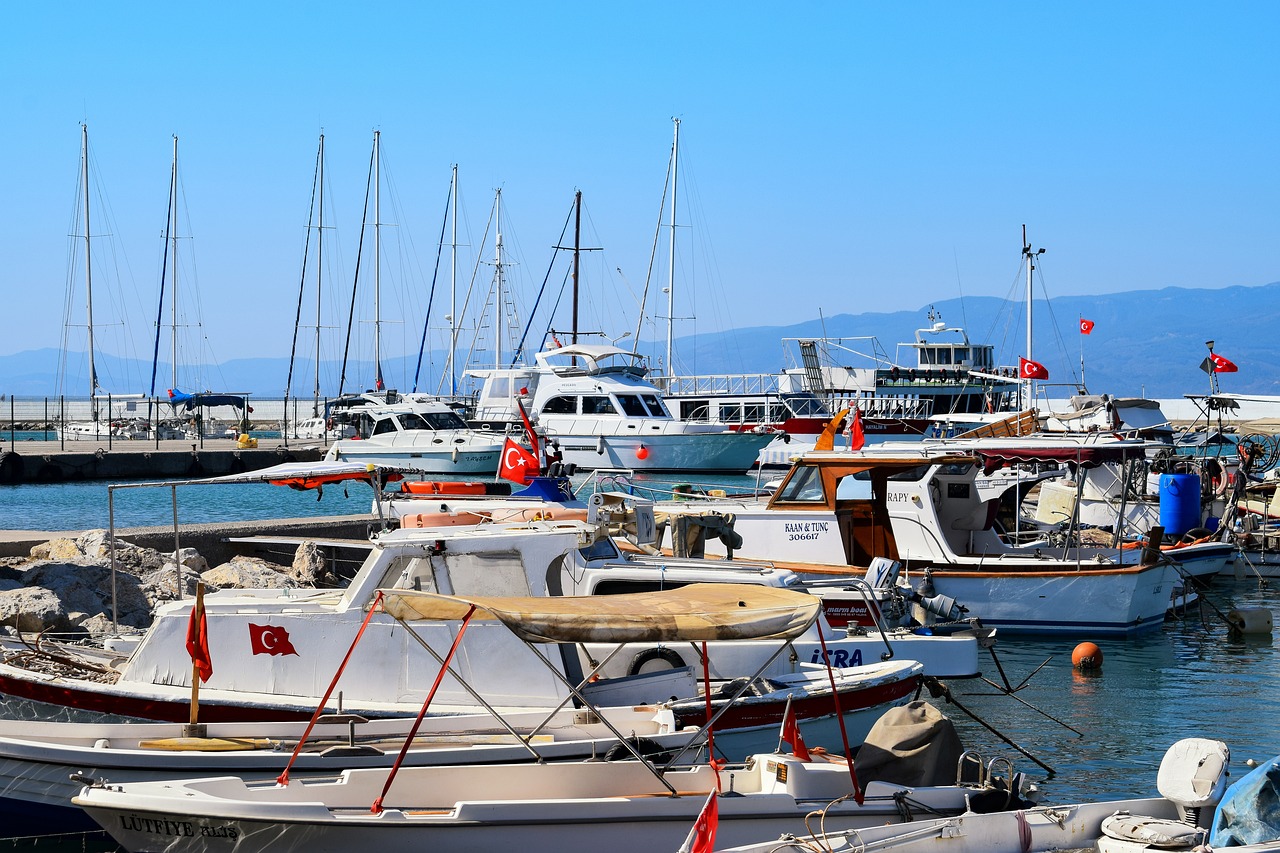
x: 1179, y: 503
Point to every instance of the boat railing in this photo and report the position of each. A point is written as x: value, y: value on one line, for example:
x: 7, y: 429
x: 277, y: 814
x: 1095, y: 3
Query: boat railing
x: 722, y: 384
x: 886, y: 407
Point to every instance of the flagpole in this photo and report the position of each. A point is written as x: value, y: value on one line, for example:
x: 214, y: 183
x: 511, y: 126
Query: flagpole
x: 1082, y: 381
x: 193, y: 724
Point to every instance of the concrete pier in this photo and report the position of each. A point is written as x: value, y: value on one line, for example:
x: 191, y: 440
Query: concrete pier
x: 59, y: 462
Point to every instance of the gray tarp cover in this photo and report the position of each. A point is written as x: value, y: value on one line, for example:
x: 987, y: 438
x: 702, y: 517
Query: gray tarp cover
x: 703, y: 611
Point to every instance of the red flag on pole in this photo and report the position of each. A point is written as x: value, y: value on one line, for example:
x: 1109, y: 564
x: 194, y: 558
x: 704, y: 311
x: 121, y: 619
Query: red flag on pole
x: 1221, y: 364
x: 533, y: 436
x: 702, y: 838
x: 1086, y: 326
x: 518, y: 465
x: 1028, y: 369
x: 857, y: 437
x: 198, y: 640
x: 791, y: 734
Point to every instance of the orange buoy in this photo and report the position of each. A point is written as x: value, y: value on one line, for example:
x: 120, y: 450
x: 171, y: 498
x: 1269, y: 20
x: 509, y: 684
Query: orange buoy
x: 1087, y: 656
x: 642, y: 453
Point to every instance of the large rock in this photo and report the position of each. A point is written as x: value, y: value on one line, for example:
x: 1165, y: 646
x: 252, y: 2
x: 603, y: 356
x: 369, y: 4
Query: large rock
x: 34, y: 610
x: 248, y: 573
x: 310, y: 567
x: 88, y: 588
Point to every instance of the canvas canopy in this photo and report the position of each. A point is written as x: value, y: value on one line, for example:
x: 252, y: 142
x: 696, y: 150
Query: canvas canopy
x: 704, y: 611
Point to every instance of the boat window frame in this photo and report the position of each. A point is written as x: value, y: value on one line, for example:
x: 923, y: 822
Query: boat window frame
x: 571, y: 399
x: 636, y: 408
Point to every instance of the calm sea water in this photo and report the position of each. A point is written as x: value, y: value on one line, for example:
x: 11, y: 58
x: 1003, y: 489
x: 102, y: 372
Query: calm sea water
x: 1191, y: 678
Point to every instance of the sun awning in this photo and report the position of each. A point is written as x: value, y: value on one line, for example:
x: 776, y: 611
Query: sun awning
x: 1082, y: 456
x: 704, y: 611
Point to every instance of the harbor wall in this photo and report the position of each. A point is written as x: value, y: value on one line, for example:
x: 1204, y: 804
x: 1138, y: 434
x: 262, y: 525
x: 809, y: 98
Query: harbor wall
x: 48, y: 462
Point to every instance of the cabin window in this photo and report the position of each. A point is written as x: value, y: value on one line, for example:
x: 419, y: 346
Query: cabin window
x: 730, y: 413
x: 410, y: 420
x: 499, y: 388
x: 501, y: 573
x: 805, y: 485
x: 778, y: 413
x: 655, y: 406
x: 631, y: 406
x: 561, y: 406
x: 962, y: 354
x: 444, y: 420
x: 384, y: 426
x: 601, y: 549
x: 753, y: 414
x: 693, y: 410
x: 597, y: 405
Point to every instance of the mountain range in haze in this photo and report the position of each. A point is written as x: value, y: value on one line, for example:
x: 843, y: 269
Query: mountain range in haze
x: 1143, y: 343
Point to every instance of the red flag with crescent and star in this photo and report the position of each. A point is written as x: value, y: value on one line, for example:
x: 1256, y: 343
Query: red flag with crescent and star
x: 198, y: 641
x: 270, y: 640
x: 1222, y: 364
x: 702, y: 838
x: 1028, y: 369
x: 518, y: 465
x: 1086, y: 326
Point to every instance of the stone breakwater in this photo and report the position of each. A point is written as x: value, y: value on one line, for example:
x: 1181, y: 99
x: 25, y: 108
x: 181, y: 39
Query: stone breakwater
x: 65, y: 585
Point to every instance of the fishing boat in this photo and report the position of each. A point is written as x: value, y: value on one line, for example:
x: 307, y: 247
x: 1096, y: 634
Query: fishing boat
x: 629, y: 805
x: 1191, y: 782
x: 259, y: 633
x: 920, y: 504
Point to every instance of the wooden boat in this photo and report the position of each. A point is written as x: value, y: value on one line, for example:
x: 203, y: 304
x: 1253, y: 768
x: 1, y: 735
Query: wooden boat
x: 920, y: 504
x: 628, y: 806
x: 1191, y: 782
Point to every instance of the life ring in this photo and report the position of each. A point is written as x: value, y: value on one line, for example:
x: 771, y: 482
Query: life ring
x: 673, y: 660
x: 1195, y: 534
x: 895, y: 374
x: 328, y: 424
x: 647, y: 747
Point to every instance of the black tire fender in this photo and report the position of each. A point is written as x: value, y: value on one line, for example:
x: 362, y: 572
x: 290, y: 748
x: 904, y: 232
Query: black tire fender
x: 649, y: 655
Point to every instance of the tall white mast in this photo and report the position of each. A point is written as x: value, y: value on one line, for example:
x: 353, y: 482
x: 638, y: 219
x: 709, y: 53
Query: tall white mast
x: 671, y: 272
x: 453, y: 287
x: 88, y: 267
x: 173, y: 232
x: 377, y: 259
x: 315, y: 400
x: 497, y: 262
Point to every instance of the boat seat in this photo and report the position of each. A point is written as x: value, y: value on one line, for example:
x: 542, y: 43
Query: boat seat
x: 1192, y: 777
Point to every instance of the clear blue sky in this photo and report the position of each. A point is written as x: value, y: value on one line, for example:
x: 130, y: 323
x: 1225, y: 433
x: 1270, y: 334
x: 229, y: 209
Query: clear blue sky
x: 839, y: 157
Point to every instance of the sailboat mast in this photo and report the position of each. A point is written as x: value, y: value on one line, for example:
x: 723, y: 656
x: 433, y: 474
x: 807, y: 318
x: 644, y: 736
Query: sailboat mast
x: 577, y: 252
x: 377, y: 261
x: 173, y: 233
x: 1031, y: 266
x: 88, y: 267
x: 497, y: 262
x: 453, y: 286
x: 315, y: 398
x: 671, y: 271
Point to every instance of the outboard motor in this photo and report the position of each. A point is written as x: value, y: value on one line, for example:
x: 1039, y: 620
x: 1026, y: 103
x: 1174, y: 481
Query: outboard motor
x: 1193, y: 776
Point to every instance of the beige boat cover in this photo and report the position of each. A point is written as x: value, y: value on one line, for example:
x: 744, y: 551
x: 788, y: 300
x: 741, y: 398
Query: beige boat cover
x: 703, y: 611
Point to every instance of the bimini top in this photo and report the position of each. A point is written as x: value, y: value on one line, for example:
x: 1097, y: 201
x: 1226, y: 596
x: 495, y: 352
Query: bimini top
x: 701, y: 611
x: 592, y: 359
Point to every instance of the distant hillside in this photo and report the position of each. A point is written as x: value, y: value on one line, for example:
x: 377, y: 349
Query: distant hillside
x: 1144, y: 343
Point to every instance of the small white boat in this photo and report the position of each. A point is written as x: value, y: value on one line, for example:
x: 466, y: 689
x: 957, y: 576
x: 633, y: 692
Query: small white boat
x: 423, y: 434
x: 1191, y: 782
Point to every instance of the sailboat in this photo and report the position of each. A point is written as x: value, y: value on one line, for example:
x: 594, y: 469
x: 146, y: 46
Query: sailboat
x: 99, y: 424
x: 411, y: 430
x: 192, y: 406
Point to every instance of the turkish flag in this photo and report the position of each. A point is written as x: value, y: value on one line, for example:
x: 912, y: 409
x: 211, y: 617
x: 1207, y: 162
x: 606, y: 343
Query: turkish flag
x: 518, y: 465
x: 1222, y: 365
x: 1028, y: 369
x: 791, y: 734
x: 702, y: 838
x: 1086, y: 326
x: 270, y: 640
x: 198, y: 641
x: 856, y: 436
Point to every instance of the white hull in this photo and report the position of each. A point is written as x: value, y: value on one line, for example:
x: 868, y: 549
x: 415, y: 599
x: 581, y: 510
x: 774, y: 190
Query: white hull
x: 725, y: 452
x: 428, y: 461
x: 619, y: 806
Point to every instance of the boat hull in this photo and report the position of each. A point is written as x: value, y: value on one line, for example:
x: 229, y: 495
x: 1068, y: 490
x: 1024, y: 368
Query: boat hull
x: 723, y: 452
